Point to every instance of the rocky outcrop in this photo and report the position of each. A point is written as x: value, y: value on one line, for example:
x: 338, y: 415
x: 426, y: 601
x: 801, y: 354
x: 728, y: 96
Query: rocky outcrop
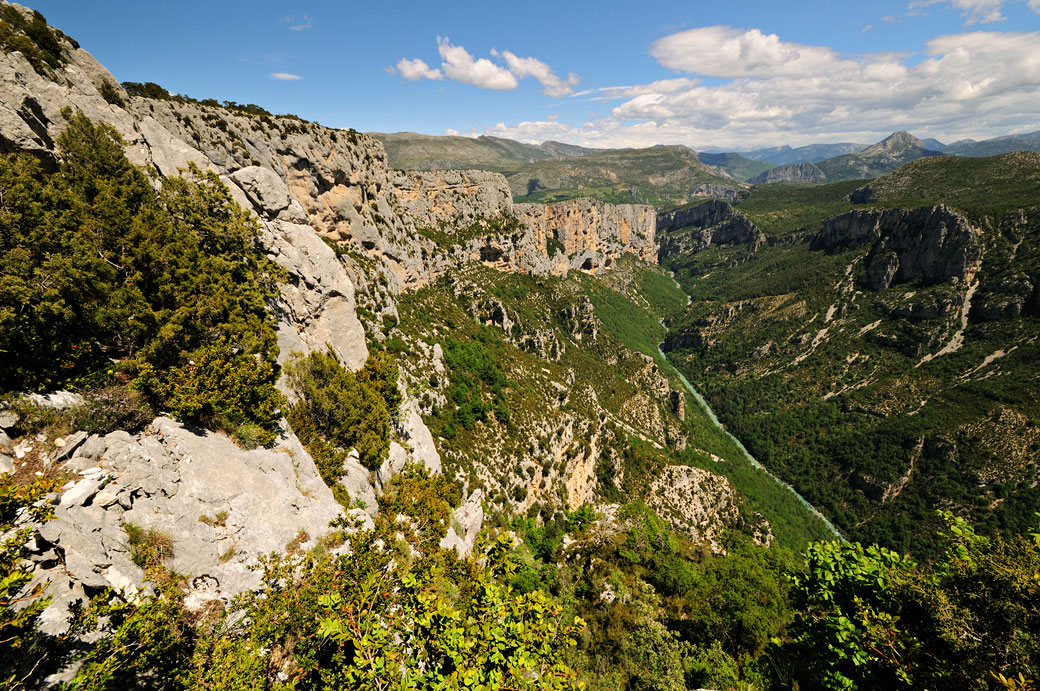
x: 465, y: 526
x: 1006, y: 299
x: 710, y: 223
x: 213, y: 499
x: 455, y: 197
x: 718, y: 191
x: 930, y: 243
x: 593, y: 235
x: 794, y: 172
x: 695, y: 501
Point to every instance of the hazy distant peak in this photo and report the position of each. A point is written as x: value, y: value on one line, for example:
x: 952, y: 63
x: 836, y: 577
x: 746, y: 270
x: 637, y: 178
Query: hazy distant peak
x: 897, y: 141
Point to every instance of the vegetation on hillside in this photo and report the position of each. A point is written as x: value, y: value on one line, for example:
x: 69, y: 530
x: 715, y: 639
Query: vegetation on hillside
x: 338, y: 410
x: 980, y: 187
x: 624, y: 603
x: 831, y: 385
x: 664, y: 176
x: 40, y: 44
x: 105, y: 280
x: 411, y: 151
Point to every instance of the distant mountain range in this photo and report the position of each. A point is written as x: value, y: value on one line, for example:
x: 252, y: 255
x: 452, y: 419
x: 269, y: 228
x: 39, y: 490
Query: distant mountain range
x: 412, y: 151
x: 813, y: 153
x: 995, y: 146
x: 672, y: 175
x: 551, y: 171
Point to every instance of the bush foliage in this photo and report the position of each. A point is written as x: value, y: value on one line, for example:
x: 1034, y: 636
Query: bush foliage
x: 338, y: 409
x: 97, y: 266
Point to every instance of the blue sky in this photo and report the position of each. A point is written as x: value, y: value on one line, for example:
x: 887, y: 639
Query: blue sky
x: 736, y: 75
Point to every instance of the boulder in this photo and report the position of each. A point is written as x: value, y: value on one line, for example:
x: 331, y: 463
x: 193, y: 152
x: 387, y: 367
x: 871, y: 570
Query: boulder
x: 57, y: 400
x: 317, y: 306
x: 355, y: 481
x: 264, y: 187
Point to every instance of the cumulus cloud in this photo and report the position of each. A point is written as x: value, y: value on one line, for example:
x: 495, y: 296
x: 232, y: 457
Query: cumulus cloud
x: 285, y: 76
x: 970, y: 84
x: 722, y: 51
x: 974, y: 11
x: 459, y: 65
x: 417, y: 69
x: 522, y: 68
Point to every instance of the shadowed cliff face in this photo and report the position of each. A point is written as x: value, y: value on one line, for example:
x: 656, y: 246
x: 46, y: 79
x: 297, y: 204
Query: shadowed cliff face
x: 931, y: 244
x: 713, y: 222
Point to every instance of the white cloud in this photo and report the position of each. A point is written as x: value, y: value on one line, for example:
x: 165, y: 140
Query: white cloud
x: 522, y: 68
x: 722, y: 51
x: 533, y: 132
x: 285, y: 76
x: 971, y: 84
x: 661, y: 86
x: 459, y: 65
x: 301, y: 25
x: 417, y: 69
x: 974, y: 11
x: 867, y: 28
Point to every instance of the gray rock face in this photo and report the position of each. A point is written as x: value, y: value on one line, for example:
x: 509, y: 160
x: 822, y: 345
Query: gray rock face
x: 718, y: 191
x: 593, y: 235
x: 170, y: 479
x: 58, y: 400
x: 265, y: 189
x: 458, y: 197
x: 929, y: 243
x: 795, y: 172
x: 355, y: 480
x: 711, y: 223
x: 317, y: 307
x: 466, y: 523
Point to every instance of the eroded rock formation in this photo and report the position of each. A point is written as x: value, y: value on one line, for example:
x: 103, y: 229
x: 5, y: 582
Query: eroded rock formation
x: 711, y: 223
x: 930, y: 243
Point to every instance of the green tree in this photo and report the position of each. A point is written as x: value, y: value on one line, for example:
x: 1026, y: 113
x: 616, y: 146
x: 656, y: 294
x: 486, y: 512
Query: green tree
x: 340, y: 408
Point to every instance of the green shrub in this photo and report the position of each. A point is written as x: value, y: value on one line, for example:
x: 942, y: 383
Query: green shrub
x: 96, y: 265
x: 219, y: 388
x: 341, y: 409
x: 424, y: 498
x: 111, y: 94
x: 32, y: 38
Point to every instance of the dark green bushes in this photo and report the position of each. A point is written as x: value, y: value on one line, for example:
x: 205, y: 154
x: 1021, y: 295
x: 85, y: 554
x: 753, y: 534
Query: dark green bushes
x: 31, y: 37
x: 220, y: 388
x: 338, y: 409
x: 477, y: 384
x: 97, y: 266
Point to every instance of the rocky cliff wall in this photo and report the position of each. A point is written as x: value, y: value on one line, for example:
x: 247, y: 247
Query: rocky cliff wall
x: 794, y: 172
x: 711, y: 223
x: 930, y: 243
x: 592, y: 235
x: 302, y: 182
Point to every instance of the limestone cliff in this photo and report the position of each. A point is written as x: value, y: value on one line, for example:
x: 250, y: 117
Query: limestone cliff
x: 593, y: 235
x: 470, y: 215
x: 794, y: 172
x: 711, y: 223
x: 930, y: 243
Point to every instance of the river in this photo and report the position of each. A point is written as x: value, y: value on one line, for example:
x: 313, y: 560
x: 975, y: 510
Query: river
x: 751, y: 459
